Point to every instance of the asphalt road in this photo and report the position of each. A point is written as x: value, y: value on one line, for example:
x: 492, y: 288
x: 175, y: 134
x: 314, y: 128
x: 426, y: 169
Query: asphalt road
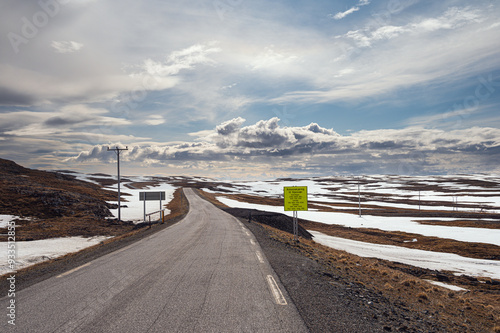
x: 206, y: 273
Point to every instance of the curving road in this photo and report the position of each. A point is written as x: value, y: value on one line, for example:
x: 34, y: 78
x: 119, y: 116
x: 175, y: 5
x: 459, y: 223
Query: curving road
x: 206, y: 273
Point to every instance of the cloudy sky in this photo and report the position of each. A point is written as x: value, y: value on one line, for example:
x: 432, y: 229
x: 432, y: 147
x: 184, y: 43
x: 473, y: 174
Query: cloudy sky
x: 252, y: 89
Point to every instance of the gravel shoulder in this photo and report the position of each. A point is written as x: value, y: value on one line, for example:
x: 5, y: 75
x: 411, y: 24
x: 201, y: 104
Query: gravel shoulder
x: 333, y: 303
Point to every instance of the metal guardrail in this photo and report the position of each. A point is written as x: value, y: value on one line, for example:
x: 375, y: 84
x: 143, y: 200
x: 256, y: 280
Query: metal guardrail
x: 162, y: 215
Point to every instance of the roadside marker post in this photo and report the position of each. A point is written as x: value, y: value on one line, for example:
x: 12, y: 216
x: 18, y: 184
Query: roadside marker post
x: 295, y: 200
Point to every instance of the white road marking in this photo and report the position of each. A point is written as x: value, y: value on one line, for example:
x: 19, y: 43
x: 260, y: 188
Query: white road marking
x: 259, y: 256
x: 252, y: 242
x: 247, y: 233
x: 278, y: 295
x: 73, y: 270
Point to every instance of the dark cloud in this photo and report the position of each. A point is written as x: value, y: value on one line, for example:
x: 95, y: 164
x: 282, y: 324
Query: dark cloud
x: 10, y: 97
x: 61, y: 121
x: 384, y: 145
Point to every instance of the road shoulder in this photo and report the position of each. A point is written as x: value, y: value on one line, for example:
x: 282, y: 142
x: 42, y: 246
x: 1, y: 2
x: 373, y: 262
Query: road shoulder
x: 329, y: 302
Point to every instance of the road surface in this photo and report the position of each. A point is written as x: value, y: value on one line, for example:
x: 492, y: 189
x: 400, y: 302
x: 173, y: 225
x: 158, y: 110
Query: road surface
x: 206, y: 273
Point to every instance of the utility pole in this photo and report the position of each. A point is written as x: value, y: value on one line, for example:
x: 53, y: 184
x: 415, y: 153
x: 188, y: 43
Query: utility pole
x: 359, y: 197
x: 117, y: 151
x: 419, y: 200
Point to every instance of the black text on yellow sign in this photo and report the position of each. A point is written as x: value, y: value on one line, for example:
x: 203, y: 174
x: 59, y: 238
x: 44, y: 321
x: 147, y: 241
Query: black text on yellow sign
x: 295, y: 198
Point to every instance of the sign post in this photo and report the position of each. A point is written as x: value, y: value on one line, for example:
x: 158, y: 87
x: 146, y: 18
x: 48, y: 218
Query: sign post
x: 295, y: 200
x: 151, y: 196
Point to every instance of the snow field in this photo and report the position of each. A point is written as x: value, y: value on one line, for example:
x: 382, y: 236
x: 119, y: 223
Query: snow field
x: 404, y: 224
x: 135, y: 208
x: 384, y: 185
x: 414, y: 257
x: 32, y: 252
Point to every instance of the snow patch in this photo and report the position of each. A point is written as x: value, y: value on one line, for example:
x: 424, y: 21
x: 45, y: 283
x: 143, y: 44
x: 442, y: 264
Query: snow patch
x: 6, y: 219
x: 426, y: 259
x: 135, y: 208
x: 447, y: 286
x: 386, y: 223
x: 32, y: 252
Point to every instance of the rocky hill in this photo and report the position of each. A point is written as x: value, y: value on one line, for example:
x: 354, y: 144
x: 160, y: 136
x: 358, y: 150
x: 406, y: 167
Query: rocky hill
x: 53, y: 204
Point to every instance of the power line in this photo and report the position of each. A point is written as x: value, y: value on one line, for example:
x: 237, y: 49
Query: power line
x: 117, y: 151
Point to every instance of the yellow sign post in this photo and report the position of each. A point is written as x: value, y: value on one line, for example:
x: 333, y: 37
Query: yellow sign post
x: 295, y: 200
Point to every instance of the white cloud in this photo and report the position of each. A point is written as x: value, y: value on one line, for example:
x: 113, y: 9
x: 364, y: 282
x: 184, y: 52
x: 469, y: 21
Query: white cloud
x: 34, y: 88
x: 453, y: 18
x: 229, y: 86
x: 21, y: 86
x: 494, y: 25
x: 154, y: 120
x: 315, y: 147
x: 66, y: 46
x: 271, y: 58
x: 388, y: 57
x: 341, y: 15
x: 450, y: 119
x: 287, y: 56
x: 182, y: 59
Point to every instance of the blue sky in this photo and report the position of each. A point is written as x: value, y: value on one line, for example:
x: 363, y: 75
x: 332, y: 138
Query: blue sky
x: 252, y: 89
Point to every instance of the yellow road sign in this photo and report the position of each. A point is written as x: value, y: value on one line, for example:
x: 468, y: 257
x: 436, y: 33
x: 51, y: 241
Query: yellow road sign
x: 295, y: 198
